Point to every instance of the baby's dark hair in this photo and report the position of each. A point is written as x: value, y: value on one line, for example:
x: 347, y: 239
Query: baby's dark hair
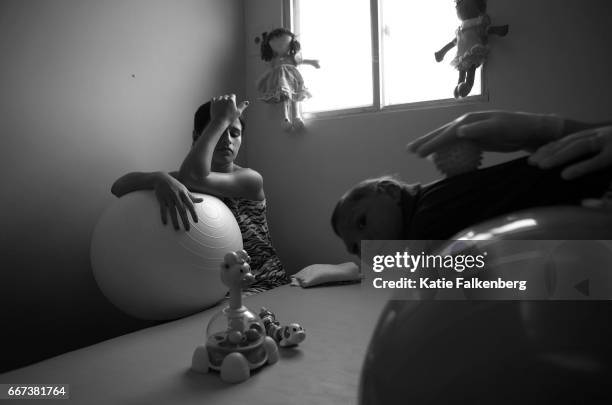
x: 201, y: 119
x: 267, y: 53
x: 362, y: 190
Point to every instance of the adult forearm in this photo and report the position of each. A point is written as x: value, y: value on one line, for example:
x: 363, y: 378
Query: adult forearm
x: 135, y: 181
x: 198, y: 161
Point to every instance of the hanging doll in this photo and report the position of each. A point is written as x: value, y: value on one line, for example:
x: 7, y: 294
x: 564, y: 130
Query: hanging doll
x: 471, y: 41
x: 283, y: 83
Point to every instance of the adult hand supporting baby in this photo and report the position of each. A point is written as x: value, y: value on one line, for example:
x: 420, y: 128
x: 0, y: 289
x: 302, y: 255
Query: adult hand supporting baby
x: 495, y: 131
x: 585, y: 151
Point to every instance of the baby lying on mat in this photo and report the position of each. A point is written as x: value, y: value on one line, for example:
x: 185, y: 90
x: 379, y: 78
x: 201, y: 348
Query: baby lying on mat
x: 389, y: 209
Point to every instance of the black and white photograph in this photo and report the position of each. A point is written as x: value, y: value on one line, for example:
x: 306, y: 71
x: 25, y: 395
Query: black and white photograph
x: 306, y: 202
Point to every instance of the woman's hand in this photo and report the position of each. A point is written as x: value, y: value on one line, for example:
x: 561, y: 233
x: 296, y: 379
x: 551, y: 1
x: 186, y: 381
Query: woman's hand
x: 495, y: 131
x: 174, y: 198
x: 585, y: 152
x: 224, y: 108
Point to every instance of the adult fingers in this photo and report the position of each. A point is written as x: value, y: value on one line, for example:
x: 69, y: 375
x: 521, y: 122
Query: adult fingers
x: 570, y: 152
x: 187, y: 200
x: 180, y: 208
x: 429, y: 143
x: 174, y: 217
x: 444, y: 137
x: 545, y: 151
x: 552, y: 148
x: 478, y: 129
x: 415, y: 145
x: 448, y: 133
x: 242, y: 106
x: 594, y: 164
x: 195, y: 199
x: 164, y: 212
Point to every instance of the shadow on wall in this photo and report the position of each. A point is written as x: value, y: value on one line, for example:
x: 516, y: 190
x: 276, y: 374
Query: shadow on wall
x: 91, y: 90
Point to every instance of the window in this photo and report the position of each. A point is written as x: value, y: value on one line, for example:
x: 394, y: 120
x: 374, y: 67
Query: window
x: 395, y: 66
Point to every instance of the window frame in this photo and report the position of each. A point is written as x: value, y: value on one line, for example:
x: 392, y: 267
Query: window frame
x: 290, y: 10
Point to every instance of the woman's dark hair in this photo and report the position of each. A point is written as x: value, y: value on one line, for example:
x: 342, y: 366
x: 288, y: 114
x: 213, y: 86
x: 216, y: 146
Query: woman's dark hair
x: 266, y: 50
x: 201, y: 119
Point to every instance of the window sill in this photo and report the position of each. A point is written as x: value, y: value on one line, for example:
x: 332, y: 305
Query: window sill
x: 423, y: 105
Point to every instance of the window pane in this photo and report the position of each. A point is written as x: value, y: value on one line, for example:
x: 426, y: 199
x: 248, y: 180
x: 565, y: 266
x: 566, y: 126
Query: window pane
x: 412, y: 31
x: 338, y: 33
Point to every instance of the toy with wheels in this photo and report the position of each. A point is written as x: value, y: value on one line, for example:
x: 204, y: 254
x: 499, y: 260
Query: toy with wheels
x: 236, y: 341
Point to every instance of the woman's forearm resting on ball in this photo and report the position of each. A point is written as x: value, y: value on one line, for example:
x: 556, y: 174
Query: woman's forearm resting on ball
x: 135, y: 181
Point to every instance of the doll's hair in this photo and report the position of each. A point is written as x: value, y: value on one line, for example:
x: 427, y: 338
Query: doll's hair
x: 267, y: 53
x: 481, y: 4
x: 201, y: 119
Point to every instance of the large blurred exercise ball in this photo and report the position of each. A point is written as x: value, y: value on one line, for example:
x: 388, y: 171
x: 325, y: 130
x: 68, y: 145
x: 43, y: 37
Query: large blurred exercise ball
x: 152, y: 271
x: 498, y: 352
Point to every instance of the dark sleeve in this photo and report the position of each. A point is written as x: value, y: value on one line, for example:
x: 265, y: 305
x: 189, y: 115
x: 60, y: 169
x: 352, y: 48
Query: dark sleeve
x: 452, y: 205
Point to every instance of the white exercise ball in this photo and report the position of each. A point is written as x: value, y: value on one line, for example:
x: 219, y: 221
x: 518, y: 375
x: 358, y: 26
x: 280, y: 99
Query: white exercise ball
x: 152, y: 271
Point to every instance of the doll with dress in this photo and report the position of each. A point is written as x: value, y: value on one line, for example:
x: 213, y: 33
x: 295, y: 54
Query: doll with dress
x: 471, y: 41
x: 283, y: 82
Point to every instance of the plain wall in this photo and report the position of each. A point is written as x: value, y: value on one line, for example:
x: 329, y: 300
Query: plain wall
x: 554, y: 60
x: 91, y: 89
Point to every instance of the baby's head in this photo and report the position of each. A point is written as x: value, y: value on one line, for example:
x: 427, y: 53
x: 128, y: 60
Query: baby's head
x: 372, y: 210
x: 280, y: 41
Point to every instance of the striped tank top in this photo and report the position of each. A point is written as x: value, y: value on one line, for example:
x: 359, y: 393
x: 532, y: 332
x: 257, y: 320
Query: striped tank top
x: 265, y: 264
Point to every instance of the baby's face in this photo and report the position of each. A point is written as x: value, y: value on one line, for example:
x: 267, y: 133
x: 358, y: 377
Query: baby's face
x: 377, y: 216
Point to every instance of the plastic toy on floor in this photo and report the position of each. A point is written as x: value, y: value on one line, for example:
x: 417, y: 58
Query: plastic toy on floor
x: 236, y: 340
x: 289, y: 335
x: 282, y: 82
x: 471, y: 41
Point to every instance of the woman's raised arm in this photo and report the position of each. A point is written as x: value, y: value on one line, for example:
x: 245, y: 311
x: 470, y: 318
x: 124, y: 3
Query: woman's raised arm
x: 197, y: 172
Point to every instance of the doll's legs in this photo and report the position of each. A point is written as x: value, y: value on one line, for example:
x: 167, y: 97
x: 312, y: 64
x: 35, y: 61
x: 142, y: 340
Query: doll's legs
x: 463, y: 89
x: 286, y: 115
x: 462, y: 74
x: 286, y: 111
x: 298, y: 121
